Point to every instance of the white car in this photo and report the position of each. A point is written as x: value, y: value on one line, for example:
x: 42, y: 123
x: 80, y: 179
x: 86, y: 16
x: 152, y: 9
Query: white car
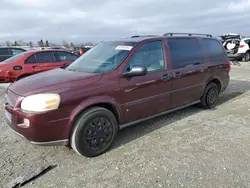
x: 237, y: 48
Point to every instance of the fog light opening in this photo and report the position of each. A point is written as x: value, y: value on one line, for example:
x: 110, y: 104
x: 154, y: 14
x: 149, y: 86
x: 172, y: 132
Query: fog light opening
x: 25, y: 124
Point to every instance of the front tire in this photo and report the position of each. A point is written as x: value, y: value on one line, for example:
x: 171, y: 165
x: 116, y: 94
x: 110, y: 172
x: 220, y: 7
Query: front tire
x: 94, y: 132
x: 210, y: 96
x: 247, y: 57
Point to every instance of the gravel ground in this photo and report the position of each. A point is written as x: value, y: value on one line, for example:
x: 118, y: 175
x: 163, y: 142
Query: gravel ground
x: 187, y: 148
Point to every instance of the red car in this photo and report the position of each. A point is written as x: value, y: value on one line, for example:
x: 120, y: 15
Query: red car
x: 32, y: 62
x: 114, y: 85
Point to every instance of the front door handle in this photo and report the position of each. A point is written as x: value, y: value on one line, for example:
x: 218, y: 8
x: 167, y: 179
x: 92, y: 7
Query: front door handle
x: 165, y: 77
x: 177, y: 74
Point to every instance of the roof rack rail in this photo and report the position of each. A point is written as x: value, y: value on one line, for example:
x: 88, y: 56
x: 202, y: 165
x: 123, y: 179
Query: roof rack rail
x: 189, y: 34
x: 135, y: 36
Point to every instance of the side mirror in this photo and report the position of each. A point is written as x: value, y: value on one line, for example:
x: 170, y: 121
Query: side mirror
x: 135, y: 71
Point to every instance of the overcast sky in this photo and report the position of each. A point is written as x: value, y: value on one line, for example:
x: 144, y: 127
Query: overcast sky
x: 96, y: 20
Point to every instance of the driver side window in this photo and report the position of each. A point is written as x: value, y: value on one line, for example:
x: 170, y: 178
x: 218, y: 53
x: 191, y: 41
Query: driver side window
x: 149, y: 55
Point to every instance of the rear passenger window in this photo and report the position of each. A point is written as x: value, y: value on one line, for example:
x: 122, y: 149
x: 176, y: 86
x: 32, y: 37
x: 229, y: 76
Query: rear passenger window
x: 149, y: 55
x: 214, y: 50
x: 185, y: 52
x: 65, y: 56
x: 31, y: 59
x: 45, y: 57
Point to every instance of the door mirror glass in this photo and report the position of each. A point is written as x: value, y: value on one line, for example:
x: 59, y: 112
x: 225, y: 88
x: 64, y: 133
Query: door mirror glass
x: 138, y: 70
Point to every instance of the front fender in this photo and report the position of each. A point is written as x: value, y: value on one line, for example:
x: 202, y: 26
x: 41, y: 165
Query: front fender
x: 94, y: 101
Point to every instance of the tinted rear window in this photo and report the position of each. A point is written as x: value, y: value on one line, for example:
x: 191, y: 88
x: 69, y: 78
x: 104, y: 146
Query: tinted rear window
x: 185, y: 52
x: 31, y: 59
x: 214, y: 50
x: 65, y: 56
x: 44, y: 57
x: 4, y: 51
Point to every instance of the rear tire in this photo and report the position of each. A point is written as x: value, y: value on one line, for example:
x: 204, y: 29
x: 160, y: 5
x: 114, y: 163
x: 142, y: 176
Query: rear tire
x: 94, y: 132
x: 247, y: 57
x: 210, y: 96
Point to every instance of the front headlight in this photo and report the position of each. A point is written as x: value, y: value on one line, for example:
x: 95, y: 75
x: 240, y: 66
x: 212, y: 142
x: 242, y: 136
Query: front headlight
x: 40, y: 102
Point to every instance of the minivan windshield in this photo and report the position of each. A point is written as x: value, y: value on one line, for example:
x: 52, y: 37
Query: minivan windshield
x: 104, y: 57
x: 13, y: 58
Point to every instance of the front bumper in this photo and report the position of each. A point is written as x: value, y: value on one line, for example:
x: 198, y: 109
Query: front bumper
x: 41, y: 131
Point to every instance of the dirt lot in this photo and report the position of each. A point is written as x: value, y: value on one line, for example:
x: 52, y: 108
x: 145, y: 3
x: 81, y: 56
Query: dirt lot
x: 188, y: 148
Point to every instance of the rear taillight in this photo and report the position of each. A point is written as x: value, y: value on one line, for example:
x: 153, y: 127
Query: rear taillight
x: 241, y: 46
x: 229, y: 66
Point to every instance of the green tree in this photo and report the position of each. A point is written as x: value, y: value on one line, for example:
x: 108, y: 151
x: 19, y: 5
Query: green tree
x: 41, y: 43
x: 30, y: 44
x: 15, y: 44
x: 65, y: 44
x: 47, y: 43
x: 72, y: 45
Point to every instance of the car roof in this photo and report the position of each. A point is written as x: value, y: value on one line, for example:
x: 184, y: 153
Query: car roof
x: 14, y: 47
x: 138, y: 38
x: 49, y: 50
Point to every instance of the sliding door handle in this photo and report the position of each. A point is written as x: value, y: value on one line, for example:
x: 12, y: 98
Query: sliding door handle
x: 177, y: 74
x: 165, y: 77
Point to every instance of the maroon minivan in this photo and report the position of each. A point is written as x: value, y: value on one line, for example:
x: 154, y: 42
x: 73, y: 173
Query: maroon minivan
x: 116, y: 84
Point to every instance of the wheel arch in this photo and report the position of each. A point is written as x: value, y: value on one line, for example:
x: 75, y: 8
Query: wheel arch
x: 215, y: 80
x: 109, y: 106
x: 104, y: 102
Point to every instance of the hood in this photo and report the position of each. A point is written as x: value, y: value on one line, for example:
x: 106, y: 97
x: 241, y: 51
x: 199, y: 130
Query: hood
x: 52, y: 80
